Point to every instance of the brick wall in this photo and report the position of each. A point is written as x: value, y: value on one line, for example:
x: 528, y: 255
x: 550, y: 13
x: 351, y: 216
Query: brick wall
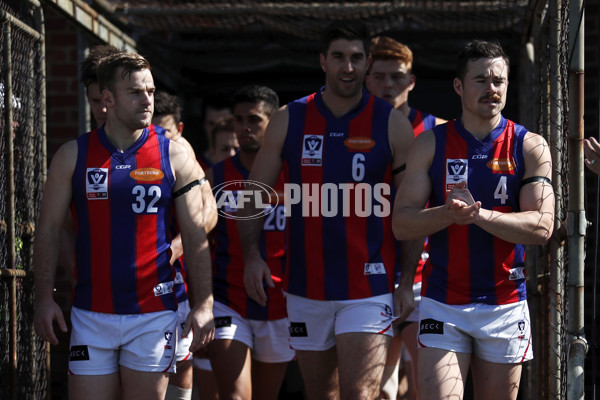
x: 62, y: 87
x: 61, y: 79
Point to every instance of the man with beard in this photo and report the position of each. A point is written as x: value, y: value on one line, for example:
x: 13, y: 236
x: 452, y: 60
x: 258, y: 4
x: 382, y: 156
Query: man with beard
x: 342, y: 149
x: 123, y: 181
x: 487, y: 181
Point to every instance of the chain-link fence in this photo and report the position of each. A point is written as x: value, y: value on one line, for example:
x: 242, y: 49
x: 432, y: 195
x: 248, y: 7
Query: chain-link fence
x: 23, y: 369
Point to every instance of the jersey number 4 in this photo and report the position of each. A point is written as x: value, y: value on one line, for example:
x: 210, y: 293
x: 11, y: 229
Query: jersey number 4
x: 501, y: 193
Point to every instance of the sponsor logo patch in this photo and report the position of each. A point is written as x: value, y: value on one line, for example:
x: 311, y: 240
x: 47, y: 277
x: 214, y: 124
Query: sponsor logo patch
x: 362, y: 143
x: 79, y: 353
x: 502, y: 165
x: 298, y: 329
x: 431, y: 326
x: 147, y: 174
x: 222, y: 322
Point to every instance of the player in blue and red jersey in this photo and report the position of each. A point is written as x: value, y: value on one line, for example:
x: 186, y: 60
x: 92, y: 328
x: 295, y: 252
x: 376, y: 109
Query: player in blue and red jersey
x: 251, y: 348
x: 167, y: 121
x: 390, y: 77
x: 342, y: 149
x: 123, y: 182
x: 487, y: 181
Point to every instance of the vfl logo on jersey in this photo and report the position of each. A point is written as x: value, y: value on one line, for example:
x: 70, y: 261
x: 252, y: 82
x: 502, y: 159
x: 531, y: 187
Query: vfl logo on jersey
x: 502, y: 166
x: 163, y: 288
x: 456, y: 171
x: 374, y: 269
x: 96, y: 185
x: 312, y: 150
x: 79, y: 353
x: 147, y: 174
x: 359, y: 143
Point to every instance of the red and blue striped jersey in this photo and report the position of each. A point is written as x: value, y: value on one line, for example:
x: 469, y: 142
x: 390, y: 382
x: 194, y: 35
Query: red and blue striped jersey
x: 420, y: 122
x: 228, y: 272
x: 467, y: 264
x: 122, y: 206
x: 341, y: 245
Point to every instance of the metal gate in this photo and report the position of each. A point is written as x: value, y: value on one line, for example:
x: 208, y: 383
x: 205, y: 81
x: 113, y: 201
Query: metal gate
x: 23, y: 362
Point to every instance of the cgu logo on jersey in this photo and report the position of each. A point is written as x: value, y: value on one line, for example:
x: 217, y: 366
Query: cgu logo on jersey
x: 312, y: 150
x: 456, y: 171
x: 234, y: 195
x: 147, y: 174
x: 96, y: 185
x: 502, y: 165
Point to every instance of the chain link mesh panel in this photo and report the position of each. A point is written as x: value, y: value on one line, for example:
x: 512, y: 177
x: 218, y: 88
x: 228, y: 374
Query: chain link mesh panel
x: 26, y: 81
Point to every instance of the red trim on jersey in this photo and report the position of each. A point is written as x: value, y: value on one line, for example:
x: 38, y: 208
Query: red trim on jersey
x: 315, y: 124
x: 504, y: 260
x: 356, y: 227
x: 458, y: 268
x: 418, y: 125
x: 146, y: 226
x: 99, y: 210
x: 504, y: 149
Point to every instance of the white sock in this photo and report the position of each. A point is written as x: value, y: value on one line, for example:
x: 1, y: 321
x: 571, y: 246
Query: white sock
x: 177, y: 393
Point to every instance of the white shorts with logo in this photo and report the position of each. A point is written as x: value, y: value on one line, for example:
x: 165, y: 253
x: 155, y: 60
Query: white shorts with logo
x: 315, y: 323
x: 101, y: 342
x: 183, y: 343
x: 268, y: 340
x: 494, y: 333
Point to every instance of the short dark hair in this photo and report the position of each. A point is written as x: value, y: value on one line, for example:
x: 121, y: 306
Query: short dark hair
x: 256, y: 94
x: 90, y: 63
x: 476, y: 49
x: 167, y: 104
x: 222, y: 125
x: 108, y: 66
x: 216, y: 101
x: 349, y: 30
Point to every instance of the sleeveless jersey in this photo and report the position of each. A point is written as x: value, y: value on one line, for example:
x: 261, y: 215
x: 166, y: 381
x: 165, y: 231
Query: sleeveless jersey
x: 122, y: 208
x: 180, y: 286
x: 228, y: 273
x: 341, y: 245
x: 467, y: 264
x: 420, y: 121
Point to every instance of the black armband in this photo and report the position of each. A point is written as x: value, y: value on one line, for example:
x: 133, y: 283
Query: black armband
x: 535, y: 179
x: 401, y: 168
x: 188, y: 187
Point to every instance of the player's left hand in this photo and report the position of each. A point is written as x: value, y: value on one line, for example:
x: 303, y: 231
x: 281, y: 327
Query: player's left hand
x: 404, y: 302
x: 200, y: 320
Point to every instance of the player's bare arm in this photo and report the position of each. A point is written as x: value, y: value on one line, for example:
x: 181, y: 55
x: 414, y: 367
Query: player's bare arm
x: 55, y: 205
x: 189, y: 211
x: 401, y: 139
x: 534, y: 223
x: 266, y: 169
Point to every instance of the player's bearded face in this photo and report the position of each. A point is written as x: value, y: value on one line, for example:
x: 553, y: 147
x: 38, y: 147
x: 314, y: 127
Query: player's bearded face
x: 345, y: 65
